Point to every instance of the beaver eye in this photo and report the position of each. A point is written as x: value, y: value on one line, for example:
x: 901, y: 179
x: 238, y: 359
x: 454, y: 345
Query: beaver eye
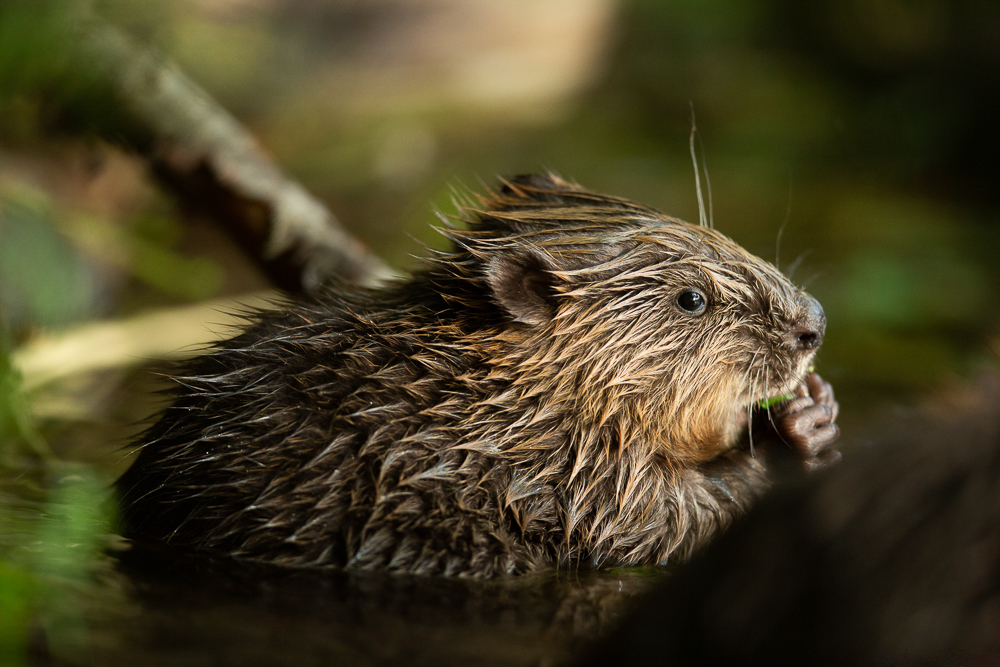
x: 691, y: 301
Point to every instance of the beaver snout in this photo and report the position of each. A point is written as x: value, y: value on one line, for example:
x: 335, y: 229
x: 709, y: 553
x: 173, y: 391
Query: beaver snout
x: 808, y: 333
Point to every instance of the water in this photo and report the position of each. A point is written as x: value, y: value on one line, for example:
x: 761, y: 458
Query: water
x: 147, y: 607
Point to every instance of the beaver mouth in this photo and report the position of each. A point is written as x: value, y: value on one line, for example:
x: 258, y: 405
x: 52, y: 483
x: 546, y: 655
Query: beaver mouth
x: 767, y: 385
x: 776, y: 396
x: 763, y: 401
x: 746, y: 411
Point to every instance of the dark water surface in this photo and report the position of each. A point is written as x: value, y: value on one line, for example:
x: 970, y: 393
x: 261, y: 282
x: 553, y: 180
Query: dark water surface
x: 148, y: 607
x: 73, y: 593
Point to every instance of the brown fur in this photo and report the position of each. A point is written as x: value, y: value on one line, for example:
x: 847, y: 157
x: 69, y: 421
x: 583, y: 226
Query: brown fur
x: 534, y: 396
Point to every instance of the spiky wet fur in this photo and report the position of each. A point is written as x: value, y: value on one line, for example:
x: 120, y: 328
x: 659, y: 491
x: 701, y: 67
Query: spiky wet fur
x: 464, y: 423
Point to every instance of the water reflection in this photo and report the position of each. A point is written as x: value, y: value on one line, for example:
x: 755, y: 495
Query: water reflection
x: 182, y: 610
x: 71, y: 593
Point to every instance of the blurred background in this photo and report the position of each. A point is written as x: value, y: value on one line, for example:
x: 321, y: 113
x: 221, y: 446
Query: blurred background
x: 866, y: 131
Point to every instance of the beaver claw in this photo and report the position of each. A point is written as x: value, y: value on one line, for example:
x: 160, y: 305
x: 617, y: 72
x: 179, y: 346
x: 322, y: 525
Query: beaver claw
x: 806, y: 423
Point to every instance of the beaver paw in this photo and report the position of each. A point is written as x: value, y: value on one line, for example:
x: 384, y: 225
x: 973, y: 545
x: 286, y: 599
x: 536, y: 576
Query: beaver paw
x: 806, y: 423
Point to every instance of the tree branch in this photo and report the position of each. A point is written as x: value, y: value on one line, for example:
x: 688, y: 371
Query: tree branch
x: 214, y: 165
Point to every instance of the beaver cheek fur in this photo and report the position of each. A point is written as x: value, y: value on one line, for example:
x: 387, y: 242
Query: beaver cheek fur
x: 535, y: 397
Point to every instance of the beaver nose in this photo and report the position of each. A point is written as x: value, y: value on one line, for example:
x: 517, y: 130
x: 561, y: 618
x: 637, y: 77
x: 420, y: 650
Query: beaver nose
x: 808, y: 332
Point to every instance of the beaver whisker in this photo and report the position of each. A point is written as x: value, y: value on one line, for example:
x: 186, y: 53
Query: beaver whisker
x: 781, y: 229
x: 750, y: 406
x: 704, y: 221
x: 793, y: 267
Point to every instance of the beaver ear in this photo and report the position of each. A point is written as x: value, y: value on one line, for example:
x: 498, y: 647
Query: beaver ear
x: 522, y: 282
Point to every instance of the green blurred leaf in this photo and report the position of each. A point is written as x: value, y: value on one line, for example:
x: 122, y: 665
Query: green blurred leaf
x: 18, y: 590
x: 42, y: 280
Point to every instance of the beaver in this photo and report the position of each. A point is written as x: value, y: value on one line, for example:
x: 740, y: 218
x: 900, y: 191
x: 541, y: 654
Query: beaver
x: 570, y: 384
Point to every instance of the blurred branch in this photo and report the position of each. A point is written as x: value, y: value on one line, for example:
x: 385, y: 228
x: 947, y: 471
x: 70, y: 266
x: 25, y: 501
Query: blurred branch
x: 214, y: 165
x: 171, y: 333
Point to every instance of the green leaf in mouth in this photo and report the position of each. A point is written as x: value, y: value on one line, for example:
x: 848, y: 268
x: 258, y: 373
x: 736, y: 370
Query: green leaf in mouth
x: 768, y: 402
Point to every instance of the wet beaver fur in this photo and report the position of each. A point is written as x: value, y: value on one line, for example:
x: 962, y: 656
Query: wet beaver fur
x: 570, y: 384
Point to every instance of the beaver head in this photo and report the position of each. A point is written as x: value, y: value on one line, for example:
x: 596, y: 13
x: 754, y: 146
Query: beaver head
x: 637, y: 324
